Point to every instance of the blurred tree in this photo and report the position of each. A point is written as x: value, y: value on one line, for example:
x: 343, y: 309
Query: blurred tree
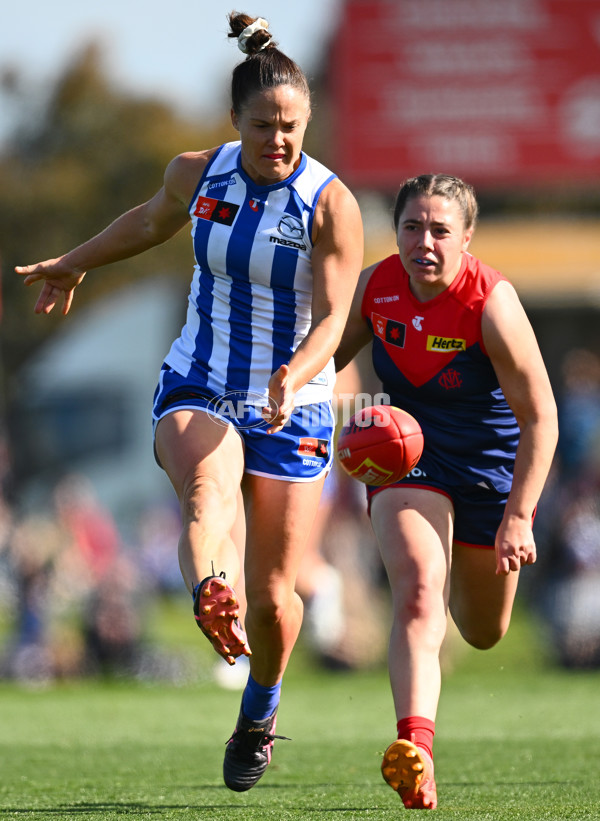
x: 90, y: 153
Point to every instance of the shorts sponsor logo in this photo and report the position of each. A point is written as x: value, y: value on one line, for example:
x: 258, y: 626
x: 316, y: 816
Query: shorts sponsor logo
x: 317, y: 448
x: 220, y: 211
x: 445, y: 344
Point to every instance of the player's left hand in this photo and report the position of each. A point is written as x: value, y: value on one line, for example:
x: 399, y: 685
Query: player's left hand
x: 281, y: 400
x: 59, y: 281
x: 515, y: 545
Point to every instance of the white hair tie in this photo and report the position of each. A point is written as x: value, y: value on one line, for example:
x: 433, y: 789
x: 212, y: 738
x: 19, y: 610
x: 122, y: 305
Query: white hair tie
x: 257, y: 25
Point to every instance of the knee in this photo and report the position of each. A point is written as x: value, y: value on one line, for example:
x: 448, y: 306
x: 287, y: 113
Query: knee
x: 418, y: 603
x: 268, y: 605
x: 422, y: 608
x: 483, y: 636
x: 419, y: 589
x: 203, y: 493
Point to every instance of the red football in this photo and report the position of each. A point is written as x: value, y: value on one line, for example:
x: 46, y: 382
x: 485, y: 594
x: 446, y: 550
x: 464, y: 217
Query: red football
x: 380, y: 445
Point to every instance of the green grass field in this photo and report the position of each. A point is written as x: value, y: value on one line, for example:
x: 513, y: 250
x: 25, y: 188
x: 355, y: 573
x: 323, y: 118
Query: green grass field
x: 516, y: 739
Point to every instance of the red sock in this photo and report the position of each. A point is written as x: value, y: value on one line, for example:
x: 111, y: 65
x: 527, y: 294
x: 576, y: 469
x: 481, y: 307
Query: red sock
x: 419, y: 730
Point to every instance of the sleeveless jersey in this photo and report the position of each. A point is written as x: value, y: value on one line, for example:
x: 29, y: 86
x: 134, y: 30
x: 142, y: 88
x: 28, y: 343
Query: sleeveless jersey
x: 432, y: 363
x: 249, y: 304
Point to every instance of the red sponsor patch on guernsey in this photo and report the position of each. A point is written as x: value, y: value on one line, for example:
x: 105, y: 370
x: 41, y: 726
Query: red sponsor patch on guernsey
x: 215, y: 210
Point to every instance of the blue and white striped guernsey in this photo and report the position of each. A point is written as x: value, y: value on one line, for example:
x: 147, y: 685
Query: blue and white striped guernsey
x: 250, y: 298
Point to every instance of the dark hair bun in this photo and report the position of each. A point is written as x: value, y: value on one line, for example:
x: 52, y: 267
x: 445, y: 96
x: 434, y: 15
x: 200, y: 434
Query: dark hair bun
x: 251, y: 32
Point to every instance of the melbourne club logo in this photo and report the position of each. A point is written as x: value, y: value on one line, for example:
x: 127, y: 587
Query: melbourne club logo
x: 450, y: 379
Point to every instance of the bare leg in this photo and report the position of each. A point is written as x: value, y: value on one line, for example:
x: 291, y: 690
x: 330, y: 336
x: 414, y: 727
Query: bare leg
x: 480, y: 601
x: 279, y: 518
x: 413, y: 529
x: 204, y: 460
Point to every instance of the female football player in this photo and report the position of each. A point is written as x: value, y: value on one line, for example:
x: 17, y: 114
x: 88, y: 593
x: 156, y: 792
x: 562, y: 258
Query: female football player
x: 455, y: 532
x: 244, y: 395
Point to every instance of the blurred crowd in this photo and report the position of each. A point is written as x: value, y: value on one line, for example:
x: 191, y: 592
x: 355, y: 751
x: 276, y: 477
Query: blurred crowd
x: 76, y: 592
x: 70, y: 589
x: 566, y: 583
x: 79, y: 598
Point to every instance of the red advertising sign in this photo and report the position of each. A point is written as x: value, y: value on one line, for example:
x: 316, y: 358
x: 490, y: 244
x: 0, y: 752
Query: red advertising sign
x: 497, y: 91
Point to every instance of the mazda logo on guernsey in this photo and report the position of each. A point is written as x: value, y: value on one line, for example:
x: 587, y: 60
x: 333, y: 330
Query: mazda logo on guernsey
x: 242, y: 407
x: 291, y: 227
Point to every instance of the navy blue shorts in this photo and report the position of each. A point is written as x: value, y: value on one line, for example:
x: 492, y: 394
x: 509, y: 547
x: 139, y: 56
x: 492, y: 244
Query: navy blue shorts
x: 478, y: 511
x: 301, y: 452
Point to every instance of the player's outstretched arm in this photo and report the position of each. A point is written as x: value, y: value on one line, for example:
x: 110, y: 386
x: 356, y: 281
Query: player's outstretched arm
x: 135, y: 231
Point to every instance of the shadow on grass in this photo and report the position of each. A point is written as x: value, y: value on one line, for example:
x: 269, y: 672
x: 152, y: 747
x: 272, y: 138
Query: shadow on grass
x: 136, y: 808
x: 141, y: 807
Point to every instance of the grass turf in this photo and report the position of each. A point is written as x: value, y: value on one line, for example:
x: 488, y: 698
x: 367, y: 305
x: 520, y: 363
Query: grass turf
x: 516, y: 739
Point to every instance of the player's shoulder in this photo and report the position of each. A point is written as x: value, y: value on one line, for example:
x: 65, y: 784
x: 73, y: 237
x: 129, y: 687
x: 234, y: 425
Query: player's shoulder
x: 319, y: 177
x: 185, y: 170
x: 336, y: 196
x: 477, y: 282
x: 190, y: 164
x: 364, y: 278
x: 380, y: 274
x: 484, y: 273
x: 384, y: 272
x: 338, y: 208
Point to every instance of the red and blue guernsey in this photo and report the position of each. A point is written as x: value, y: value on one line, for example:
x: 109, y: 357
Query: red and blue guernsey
x: 432, y: 362
x: 250, y: 298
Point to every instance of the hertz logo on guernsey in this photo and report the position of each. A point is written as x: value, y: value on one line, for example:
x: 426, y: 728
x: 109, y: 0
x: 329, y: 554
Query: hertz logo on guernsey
x: 445, y: 344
